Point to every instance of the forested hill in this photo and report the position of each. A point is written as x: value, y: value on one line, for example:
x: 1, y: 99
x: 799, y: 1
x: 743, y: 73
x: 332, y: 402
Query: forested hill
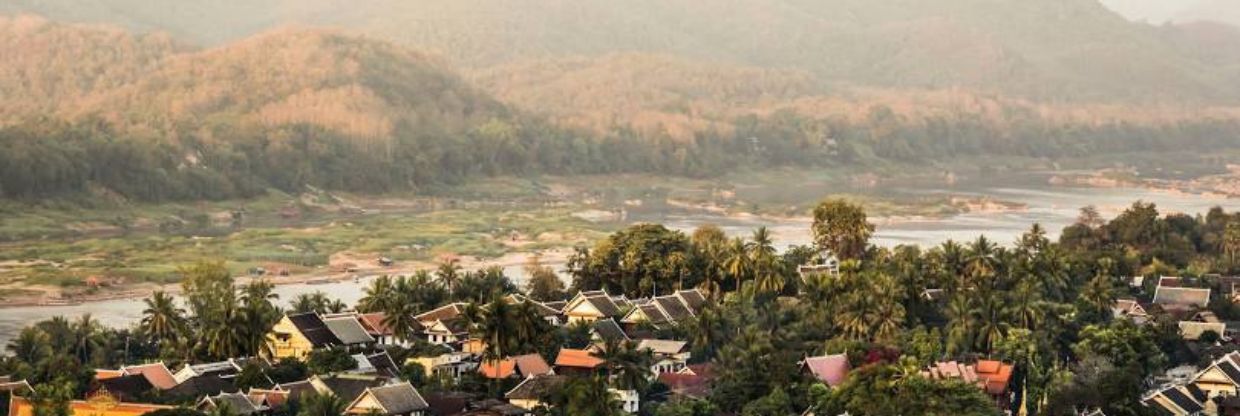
x: 1046, y: 49
x: 358, y: 87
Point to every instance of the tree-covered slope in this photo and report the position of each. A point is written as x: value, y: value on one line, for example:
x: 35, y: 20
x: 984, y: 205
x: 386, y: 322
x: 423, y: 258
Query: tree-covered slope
x: 1049, y: 49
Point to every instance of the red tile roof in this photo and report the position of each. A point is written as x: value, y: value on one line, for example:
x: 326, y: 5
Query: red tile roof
x: 692, y: 382
x: 157, y: 374
x: 577, y: 358
x: 373, y: 322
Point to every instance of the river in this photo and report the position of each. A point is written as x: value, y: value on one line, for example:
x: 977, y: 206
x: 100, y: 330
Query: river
x: 1052, y: 207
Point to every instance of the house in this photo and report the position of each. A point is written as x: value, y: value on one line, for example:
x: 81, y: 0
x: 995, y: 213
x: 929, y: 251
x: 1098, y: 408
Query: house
x: 450, y: 366
x: 521, y: 366
x: 692, y: 381
x: 1131, y: 309
x: 236, y: 403
x: 831, y: 370
x: 199, y: 386
x: 576, y: 361
x: 1230, y: 286
x: 1172, y: 296
x: 445, y: 312
x: 157, y: 374
x: 1221, y: 378
x: 991, y: 376
x: 379, y: 364
x: 348, y: 328
x: 1193, y: 330
x: 444, y: 325
x: 391, y: 400
x: 548, y: 313
x: 824, y: 263
x: 531, y: 391
x: 20, y: 406
x: 630, y: 401
x: 7, y: 385
x: 447, y: 331
x: 666, y: 311
x: 345, y: 386
x: 295, y: 335
x: 1176, y: 400
x: 604, y: 330
x: 669, y: 356
x: 591, y: 306
x: 381, y: 332
x: 131, y: 388
x: 271, y: 399
x: 297, y: 389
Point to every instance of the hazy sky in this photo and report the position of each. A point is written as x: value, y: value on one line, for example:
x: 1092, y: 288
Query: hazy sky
x: 1155, y: 11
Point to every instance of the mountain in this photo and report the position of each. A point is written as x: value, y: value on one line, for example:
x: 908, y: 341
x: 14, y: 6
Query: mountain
x: 1223, y: 11
x: 1046, y: 50
x: 350, y: 85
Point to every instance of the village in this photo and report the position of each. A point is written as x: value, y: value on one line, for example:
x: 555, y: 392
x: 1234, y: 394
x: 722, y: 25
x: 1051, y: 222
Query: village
x: 657, y: 322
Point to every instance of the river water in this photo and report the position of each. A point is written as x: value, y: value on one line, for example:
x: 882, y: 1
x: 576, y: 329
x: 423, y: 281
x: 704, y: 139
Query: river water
x: 1052, y: 207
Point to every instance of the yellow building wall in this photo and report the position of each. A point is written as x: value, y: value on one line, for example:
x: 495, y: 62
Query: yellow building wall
x: 20, y: 407
x: 297, y: 346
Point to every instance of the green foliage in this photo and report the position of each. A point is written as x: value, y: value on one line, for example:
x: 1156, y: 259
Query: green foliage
x: 841, y: 227
x: 686, y: 407
x: 883, y: 390
x: 328, y: 361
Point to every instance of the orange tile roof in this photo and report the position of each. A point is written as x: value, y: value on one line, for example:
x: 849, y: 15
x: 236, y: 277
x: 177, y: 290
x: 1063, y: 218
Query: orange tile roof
x: 107, y: 374
x: 577, y: 358
x: 498, y: 369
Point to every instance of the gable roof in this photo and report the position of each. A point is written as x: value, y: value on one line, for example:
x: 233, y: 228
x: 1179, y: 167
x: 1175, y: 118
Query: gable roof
x: 1191, y: 330
x: 1182, y: 297
x: 542, y: 308
x: 203, y: 385
x: 269, y: 398
x: 348, y: 387
x: 991, y: 376
x: 157, y: 374
x: 126, y: 388
x: 348, y: 329
x: 535, y: 388
x: 577, y: 359
x: 236, y: 402
x: 673, y: 307
x: 609, y: 330
x: 693, y: 298
x: 829, y: 369
x: 312, y: 327
x: 663, y: 347
x: 297, y: 389
x: 692, y: 381
x: 526, y: 366
x: 599, y: 300
x: 449, y: 311
x: 393, y: 399
x: 373, y: 322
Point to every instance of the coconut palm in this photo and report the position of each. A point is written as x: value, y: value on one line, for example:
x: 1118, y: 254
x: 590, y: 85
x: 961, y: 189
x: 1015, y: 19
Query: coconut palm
x: 86, y: 335
x: 162, y: 319
x: 992, y: 319
x: 379, y: 296
x: 258, y: 312
x: 494, y: 324
x: 400, y: 319
x: 737, y: 262
x: 960, y: 323
x: 449, y: 273
x: 627, y: 365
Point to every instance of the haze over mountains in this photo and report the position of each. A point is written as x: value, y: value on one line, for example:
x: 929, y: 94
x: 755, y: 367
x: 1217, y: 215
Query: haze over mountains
x: 1050, y: 49
x: 388, y: 94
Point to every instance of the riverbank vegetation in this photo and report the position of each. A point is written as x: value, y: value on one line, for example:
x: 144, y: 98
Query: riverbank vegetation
x: 1042, y: 305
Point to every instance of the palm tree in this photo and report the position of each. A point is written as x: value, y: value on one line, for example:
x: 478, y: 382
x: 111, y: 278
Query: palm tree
x: 960, y: 323
x: 449, y: 272
x: 992, y: 315
x: 400, y: 319
x: 628, y: 365
x: 379, y: 296
x: 1231, y: 240
x: 162, y: 319
x: 590, y: 396
x: 316, y: 302
x: 31, y: 346
x: 1027, y: 305
x: 1098, y: 295
x: 321, y: 405
x: 766, y: 264
x: 259, y: 313
x: 86, y: 334
x: 737, y: 263
x: 494, y: 324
